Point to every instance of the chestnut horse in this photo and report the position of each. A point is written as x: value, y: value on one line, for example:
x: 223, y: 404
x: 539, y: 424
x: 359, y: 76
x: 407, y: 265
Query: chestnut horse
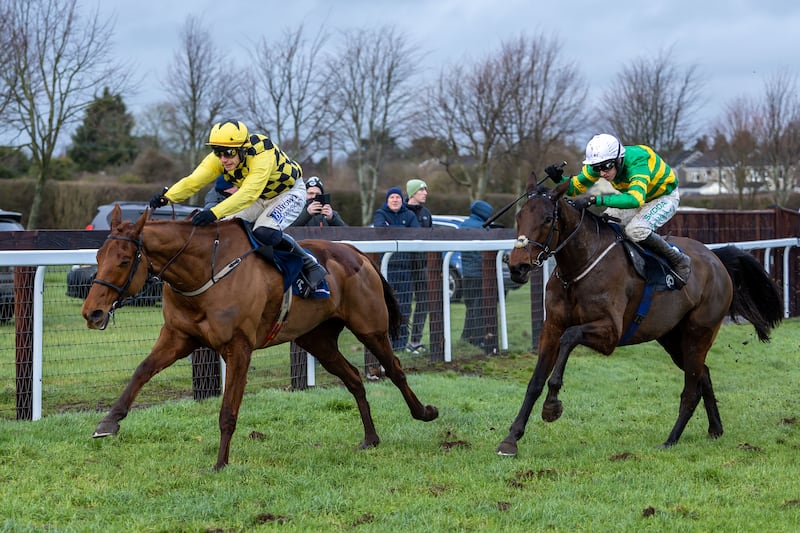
x: 594, y: 294
x: 219, y: 294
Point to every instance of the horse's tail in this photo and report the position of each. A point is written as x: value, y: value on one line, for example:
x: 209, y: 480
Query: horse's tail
x: 392, y: 306
x: 756, y: 297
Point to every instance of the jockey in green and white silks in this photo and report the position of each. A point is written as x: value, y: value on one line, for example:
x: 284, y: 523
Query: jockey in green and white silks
x: 647, y: 196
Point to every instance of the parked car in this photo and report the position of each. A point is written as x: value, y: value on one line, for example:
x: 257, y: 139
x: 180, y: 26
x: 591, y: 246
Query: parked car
x: 80, y: 277
x: 9, y: 221
x: 454, y: 281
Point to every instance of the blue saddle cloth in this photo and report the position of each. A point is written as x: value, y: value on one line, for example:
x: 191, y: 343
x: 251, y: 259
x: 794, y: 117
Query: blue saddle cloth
x: 657, y: 274
x: 290, y: 266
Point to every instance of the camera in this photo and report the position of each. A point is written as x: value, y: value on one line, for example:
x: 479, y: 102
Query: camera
x: 324, y: 199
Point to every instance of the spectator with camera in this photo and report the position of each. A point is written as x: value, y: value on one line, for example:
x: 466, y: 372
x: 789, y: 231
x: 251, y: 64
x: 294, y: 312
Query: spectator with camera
x: 318, y: 210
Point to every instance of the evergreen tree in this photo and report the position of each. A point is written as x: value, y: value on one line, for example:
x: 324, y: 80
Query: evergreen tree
x: 104, y: 138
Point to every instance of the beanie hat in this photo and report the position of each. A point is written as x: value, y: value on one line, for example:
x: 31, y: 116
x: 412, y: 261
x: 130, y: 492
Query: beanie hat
x: 314, y: 181
x: 394, y: 190
x: 481, y: 209
x: 415, y: 185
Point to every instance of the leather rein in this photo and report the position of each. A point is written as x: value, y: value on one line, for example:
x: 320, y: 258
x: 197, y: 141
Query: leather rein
x: 215, y: 278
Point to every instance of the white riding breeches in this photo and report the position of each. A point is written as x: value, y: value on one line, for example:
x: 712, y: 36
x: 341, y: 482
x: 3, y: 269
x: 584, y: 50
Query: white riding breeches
x: 640, y: 222
x: 279, y: 212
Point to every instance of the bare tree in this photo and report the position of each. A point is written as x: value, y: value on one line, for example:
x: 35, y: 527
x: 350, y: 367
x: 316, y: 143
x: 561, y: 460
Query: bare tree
x: 56, y: 62
x: 545, y: 103
x: 372, y: 77
x: 780, y: 133
x: 516, y: 106
x: 465, y: 107
x: 736, y: 146
x: 287, y: 93
x: 653, y: 102
x: 199, y: 84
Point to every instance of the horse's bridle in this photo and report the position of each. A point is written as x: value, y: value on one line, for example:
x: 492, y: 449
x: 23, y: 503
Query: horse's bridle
x: 545, y: 247
x: 134, y: 267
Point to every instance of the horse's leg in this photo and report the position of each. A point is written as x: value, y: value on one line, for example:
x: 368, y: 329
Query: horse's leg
x: 169, y: 347
x: 674, y: 343
x: 237, y: 361
x: 548, y: 344
x: 378, y: 344
x: 322, y: 342
x: 596, y: 335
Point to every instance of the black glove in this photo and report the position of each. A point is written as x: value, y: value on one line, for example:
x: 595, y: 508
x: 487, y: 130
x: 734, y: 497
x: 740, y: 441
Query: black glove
x: 555, y: 173
x: 582, y: 202
x: 158, y: 200
x: 206, y: 216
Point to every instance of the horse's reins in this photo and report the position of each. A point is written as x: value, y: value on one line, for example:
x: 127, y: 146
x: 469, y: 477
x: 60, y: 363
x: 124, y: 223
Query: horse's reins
x: 215, y: 278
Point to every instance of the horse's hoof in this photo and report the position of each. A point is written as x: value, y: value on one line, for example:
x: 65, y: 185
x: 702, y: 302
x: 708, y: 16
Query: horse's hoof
x: 431, y: 413
x: 715, y: 434
x: 551, y: 411
x: 104, y: 429
x: 367, y: 444
x: 666, y: 445
x: 507, y: 449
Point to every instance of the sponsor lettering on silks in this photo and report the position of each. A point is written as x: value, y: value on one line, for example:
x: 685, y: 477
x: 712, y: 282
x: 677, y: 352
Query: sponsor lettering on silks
x: 278, y: 213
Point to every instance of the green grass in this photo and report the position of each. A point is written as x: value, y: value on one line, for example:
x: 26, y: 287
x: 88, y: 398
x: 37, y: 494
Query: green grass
x: 294, y: 464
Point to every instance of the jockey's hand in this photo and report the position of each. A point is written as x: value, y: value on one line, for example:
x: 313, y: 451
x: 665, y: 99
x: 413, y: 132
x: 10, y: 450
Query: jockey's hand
x: 555, y: 173
x: 584, y: 201
x: 158, y: 200
x: 206, y: 216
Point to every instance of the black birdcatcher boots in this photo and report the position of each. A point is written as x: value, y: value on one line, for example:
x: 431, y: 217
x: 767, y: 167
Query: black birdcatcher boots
x: 313, y: 272
x: 680, y: 262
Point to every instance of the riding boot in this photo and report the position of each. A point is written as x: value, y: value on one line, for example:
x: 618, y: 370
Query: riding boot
x: 313, y: 272
x: 679, y: 261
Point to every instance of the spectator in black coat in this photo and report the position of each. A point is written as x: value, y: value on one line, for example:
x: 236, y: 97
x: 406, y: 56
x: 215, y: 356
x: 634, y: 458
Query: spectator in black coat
x: 417, y: 191
x: 394, y: 213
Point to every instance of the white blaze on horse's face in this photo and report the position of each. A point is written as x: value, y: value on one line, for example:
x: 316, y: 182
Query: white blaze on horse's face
x: 522, y: 242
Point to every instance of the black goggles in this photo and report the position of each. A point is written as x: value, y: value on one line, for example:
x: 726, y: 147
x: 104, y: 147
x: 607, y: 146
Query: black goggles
x: 604, y: 166
x: 227, y: 152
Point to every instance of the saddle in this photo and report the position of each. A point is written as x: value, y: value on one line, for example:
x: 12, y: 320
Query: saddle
x: 651, y: 267
x: 288, y: 264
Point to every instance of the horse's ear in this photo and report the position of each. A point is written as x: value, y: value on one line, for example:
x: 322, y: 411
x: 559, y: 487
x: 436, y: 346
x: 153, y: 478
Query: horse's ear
x: 116, y: 216
x: 560, y: 189
x: 142, y: 220
x: 532, y: 182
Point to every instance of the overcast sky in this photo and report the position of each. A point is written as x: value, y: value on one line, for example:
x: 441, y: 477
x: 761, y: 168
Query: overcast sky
x: 736, y: 44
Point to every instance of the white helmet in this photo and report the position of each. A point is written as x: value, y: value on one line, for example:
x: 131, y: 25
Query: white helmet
x: 603, y: 147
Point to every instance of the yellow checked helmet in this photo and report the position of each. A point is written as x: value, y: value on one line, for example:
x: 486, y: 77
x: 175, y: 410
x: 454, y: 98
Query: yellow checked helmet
x: 231, y: 133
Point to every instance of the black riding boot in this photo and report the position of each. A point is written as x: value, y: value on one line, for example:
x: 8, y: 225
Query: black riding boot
x: 680, y: 262
x: 313, y: 272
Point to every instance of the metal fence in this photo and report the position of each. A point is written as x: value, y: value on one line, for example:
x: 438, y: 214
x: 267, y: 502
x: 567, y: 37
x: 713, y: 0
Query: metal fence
x: 51, y: 362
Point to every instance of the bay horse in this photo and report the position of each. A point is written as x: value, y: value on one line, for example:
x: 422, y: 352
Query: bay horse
x: 594, y: 295
x: 220, y: 295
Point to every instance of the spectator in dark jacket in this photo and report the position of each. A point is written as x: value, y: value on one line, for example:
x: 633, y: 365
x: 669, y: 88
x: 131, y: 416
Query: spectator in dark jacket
x: 417, y: 191
x: 318, y: 210
x: 394, y: 213
x: 472, y: 280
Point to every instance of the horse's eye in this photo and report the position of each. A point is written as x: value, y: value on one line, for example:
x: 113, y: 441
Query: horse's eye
x: 125, y: 262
